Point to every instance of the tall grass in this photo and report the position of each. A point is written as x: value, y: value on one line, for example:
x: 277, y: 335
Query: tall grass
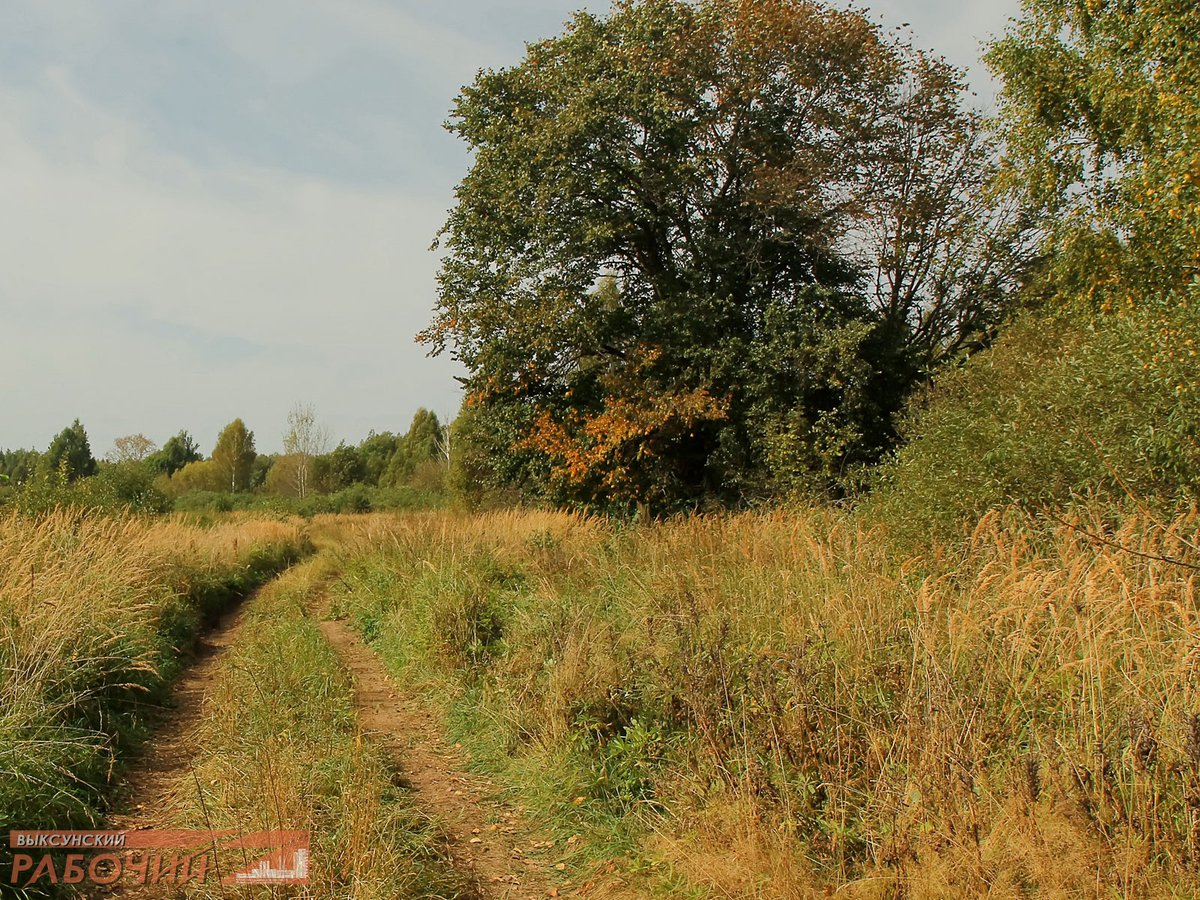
x: 774, y: 705
x: 95, y: 615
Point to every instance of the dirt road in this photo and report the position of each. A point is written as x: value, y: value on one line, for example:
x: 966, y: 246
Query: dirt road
x: 164, y: 763
x: 493, y: 855
x: 483, y: 837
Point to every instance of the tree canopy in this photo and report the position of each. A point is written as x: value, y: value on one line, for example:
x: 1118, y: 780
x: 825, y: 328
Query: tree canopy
x: 233, y: 456
x: 70, y: 453
x: 418, y: 445
x: 131, y: 448
x: 177, y: 452
x: 1100, y: 113
x: 304, y: 440
x: 696, y: 233
x: 17, y: 466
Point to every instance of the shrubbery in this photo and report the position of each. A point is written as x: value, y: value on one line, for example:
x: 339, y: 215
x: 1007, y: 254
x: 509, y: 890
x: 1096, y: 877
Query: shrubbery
x: 357, y: 498
x: 127, y: 487
x: 1065, y: 405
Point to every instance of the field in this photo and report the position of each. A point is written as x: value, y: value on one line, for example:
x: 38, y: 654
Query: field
x: 776, y: 705
x: 755, y: 705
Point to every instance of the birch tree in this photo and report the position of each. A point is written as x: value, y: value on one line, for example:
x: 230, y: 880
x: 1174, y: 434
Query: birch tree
x: 234, y: 455
x: 304, y: 440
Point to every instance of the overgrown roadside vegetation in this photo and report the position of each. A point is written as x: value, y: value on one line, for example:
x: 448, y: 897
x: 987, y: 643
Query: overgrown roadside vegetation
x: 775, y: 705
x: 97, y: 614
x: 1064, y: 406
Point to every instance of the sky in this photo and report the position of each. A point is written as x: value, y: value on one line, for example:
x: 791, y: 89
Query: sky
x: 213, y: 209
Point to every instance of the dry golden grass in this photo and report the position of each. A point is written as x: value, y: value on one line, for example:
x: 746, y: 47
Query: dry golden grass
x: 94, y: 612
x: 806, y: 708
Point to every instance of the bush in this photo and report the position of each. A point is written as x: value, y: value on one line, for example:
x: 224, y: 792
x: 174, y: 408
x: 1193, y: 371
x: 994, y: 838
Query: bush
x: 1064, y: 406
x: 358, y: 498
x: 120, y: 487
x: 128, y: 484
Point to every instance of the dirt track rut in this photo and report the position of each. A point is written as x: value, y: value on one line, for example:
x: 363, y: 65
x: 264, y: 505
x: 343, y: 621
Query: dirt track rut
x: 483, y: 838
x: 493, y: 855
x: 166, y: 759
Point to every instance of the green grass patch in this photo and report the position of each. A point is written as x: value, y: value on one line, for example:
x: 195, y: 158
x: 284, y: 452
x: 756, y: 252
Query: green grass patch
x: 452, y: 633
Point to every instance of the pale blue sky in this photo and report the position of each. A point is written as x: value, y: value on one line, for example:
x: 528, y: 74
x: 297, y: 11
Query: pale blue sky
x: 212, y: 209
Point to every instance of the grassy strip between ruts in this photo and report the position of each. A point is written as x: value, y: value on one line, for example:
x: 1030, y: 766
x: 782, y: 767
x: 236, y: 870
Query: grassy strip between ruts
x: 97, y: 614
x: 394, y: 591
x: 280, y: 748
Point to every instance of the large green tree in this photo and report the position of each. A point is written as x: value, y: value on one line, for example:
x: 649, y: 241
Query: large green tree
x: 17, y: 466
x: 177, y: 452
x: 344, y: 466
x: 70, y: 453
x: 701, y: 242
x: 420, y: 444
x: 376, y: 452
x: 233, y: 457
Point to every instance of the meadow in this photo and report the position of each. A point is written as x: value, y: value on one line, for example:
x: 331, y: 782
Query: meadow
x: 784, y: 704
x: 760, y: 705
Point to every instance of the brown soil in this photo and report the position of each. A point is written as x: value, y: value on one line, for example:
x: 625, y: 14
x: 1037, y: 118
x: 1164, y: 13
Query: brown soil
x: 485, y: 841
x: 167, y: 757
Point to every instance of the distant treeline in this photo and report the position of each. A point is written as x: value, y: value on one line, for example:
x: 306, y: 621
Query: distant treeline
x: 383, y: 470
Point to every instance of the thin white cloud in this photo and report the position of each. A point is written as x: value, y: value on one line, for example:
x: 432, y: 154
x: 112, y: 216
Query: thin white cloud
x: 317, y: 271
